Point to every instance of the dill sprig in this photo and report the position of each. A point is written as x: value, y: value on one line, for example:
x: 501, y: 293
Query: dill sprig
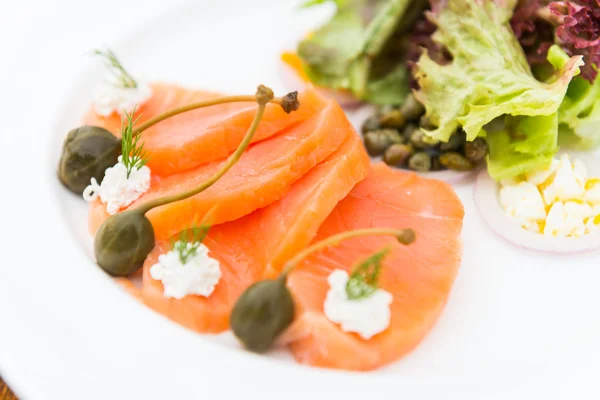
x: 189, y: 241
x: 124, y: 79
x: 364, y: 279
x: 134, y: 155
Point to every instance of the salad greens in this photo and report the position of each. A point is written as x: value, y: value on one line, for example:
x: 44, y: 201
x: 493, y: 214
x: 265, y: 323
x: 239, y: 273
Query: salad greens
x: 529, y: 64
x: 351, y: 53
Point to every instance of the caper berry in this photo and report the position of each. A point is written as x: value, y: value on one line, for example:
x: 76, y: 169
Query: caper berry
x: 456, y: 161
x: 370, y: 124
x: 456, y: 141
x: 412, y: 108
x: 123, y: 242
x: 392, y: 119
x: 476, y: 150
x: 378, y: 141
x: 398, y: 154
x: 420, y: 161
x: 420, y: 140
x: 87, y: 152
x: 262, y: 313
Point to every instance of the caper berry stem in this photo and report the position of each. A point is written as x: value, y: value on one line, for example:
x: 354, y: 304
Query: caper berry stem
x: 263, y: 96
x: 282, y: 101
x: 404, y: 236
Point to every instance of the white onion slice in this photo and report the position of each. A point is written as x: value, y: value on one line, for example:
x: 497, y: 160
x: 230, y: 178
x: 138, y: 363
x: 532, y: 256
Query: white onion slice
x: 486, y: 196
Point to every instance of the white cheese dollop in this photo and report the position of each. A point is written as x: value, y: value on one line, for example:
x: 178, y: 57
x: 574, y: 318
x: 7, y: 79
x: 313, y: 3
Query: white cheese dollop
x: 117, y: 190
x: 198, y: 276
x: 114, y: 98
x: 367, y: 316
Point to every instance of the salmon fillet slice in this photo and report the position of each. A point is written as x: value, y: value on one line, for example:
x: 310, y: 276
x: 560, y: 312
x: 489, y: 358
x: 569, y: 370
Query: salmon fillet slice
x: 196, y: 137
x: 264, y: 174
x: 419, y: 276
x: 266, y: 237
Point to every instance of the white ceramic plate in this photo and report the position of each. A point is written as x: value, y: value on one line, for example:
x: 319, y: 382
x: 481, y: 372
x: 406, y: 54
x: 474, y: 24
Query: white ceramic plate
x: 517, y: 323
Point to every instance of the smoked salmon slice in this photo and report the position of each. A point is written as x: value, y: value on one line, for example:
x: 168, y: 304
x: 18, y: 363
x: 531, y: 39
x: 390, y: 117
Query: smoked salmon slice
x: 188, y: 140
x: 264, y: 174
x: 419, y: 276
x: 263, y: 239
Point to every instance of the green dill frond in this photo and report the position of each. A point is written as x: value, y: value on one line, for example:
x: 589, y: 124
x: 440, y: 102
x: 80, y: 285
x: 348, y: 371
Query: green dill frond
x: 134, y: 155
x: 124, y: 79
x: 365, y: 276
x: 189, y: 241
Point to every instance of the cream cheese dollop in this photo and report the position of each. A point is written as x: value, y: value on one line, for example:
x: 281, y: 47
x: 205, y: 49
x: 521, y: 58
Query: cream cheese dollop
x: 366, y: 316
x: 198, y: 276
x: 117, y: 190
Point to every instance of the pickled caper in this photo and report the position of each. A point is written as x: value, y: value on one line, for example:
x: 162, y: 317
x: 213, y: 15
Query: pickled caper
x: 408, y: 130
x: 476, y: 150
x: 456, y: 141
x: 398, y: 154
x: 456, y: 161
x: 370, y: 124
x: 262, y: 313
x: 426, y: 123
x: 378, y: 141
x: 436, y: 165
x: 420, y: 140
x: 87, y: 152
x: 392, y: 119
x: 420, y: 161
x: 412, y: 108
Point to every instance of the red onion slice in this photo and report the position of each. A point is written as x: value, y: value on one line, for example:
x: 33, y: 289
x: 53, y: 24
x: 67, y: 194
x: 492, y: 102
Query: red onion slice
x: 486, y: 196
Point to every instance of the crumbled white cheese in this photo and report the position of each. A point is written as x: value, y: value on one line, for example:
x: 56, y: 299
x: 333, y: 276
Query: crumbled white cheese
x: 366, y: 316
x: 117, y: 190
x: 198, y: 276
x: 559, y: 200
x: 114, y: 98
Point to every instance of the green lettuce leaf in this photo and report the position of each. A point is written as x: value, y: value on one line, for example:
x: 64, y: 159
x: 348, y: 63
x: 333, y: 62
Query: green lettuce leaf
x: 345, y: 53
x: 489, y: 75
x: 522, y: 145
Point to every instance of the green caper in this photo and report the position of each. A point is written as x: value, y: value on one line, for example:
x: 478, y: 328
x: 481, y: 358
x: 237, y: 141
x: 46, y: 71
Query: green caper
x: 378, y: 141
x: 370, y: 124
x: 408, y: 130
x: 412, y: 108
x: 456, y: 141
x: 392, y: 119
x: 262, y: 313
x: 456, y: 161
x: 476, y: 150
x: 420, y: 161
x: 398, y: 154
x: 87, y: 152
x: 426, y: 123
x: 420, y: 140
x: 436, y: 165
x: 123, y: 242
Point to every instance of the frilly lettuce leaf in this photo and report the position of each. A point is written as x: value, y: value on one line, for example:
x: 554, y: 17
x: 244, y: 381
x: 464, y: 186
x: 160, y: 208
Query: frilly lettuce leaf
x: 522, y: 145
x: 489, y: 75
x: 344, y: 53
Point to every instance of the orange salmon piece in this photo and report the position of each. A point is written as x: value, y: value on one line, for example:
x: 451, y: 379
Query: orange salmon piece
x: 264, y: 174
x: 260, y: 242
x: 197, y: 137
x: 419, y: 276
